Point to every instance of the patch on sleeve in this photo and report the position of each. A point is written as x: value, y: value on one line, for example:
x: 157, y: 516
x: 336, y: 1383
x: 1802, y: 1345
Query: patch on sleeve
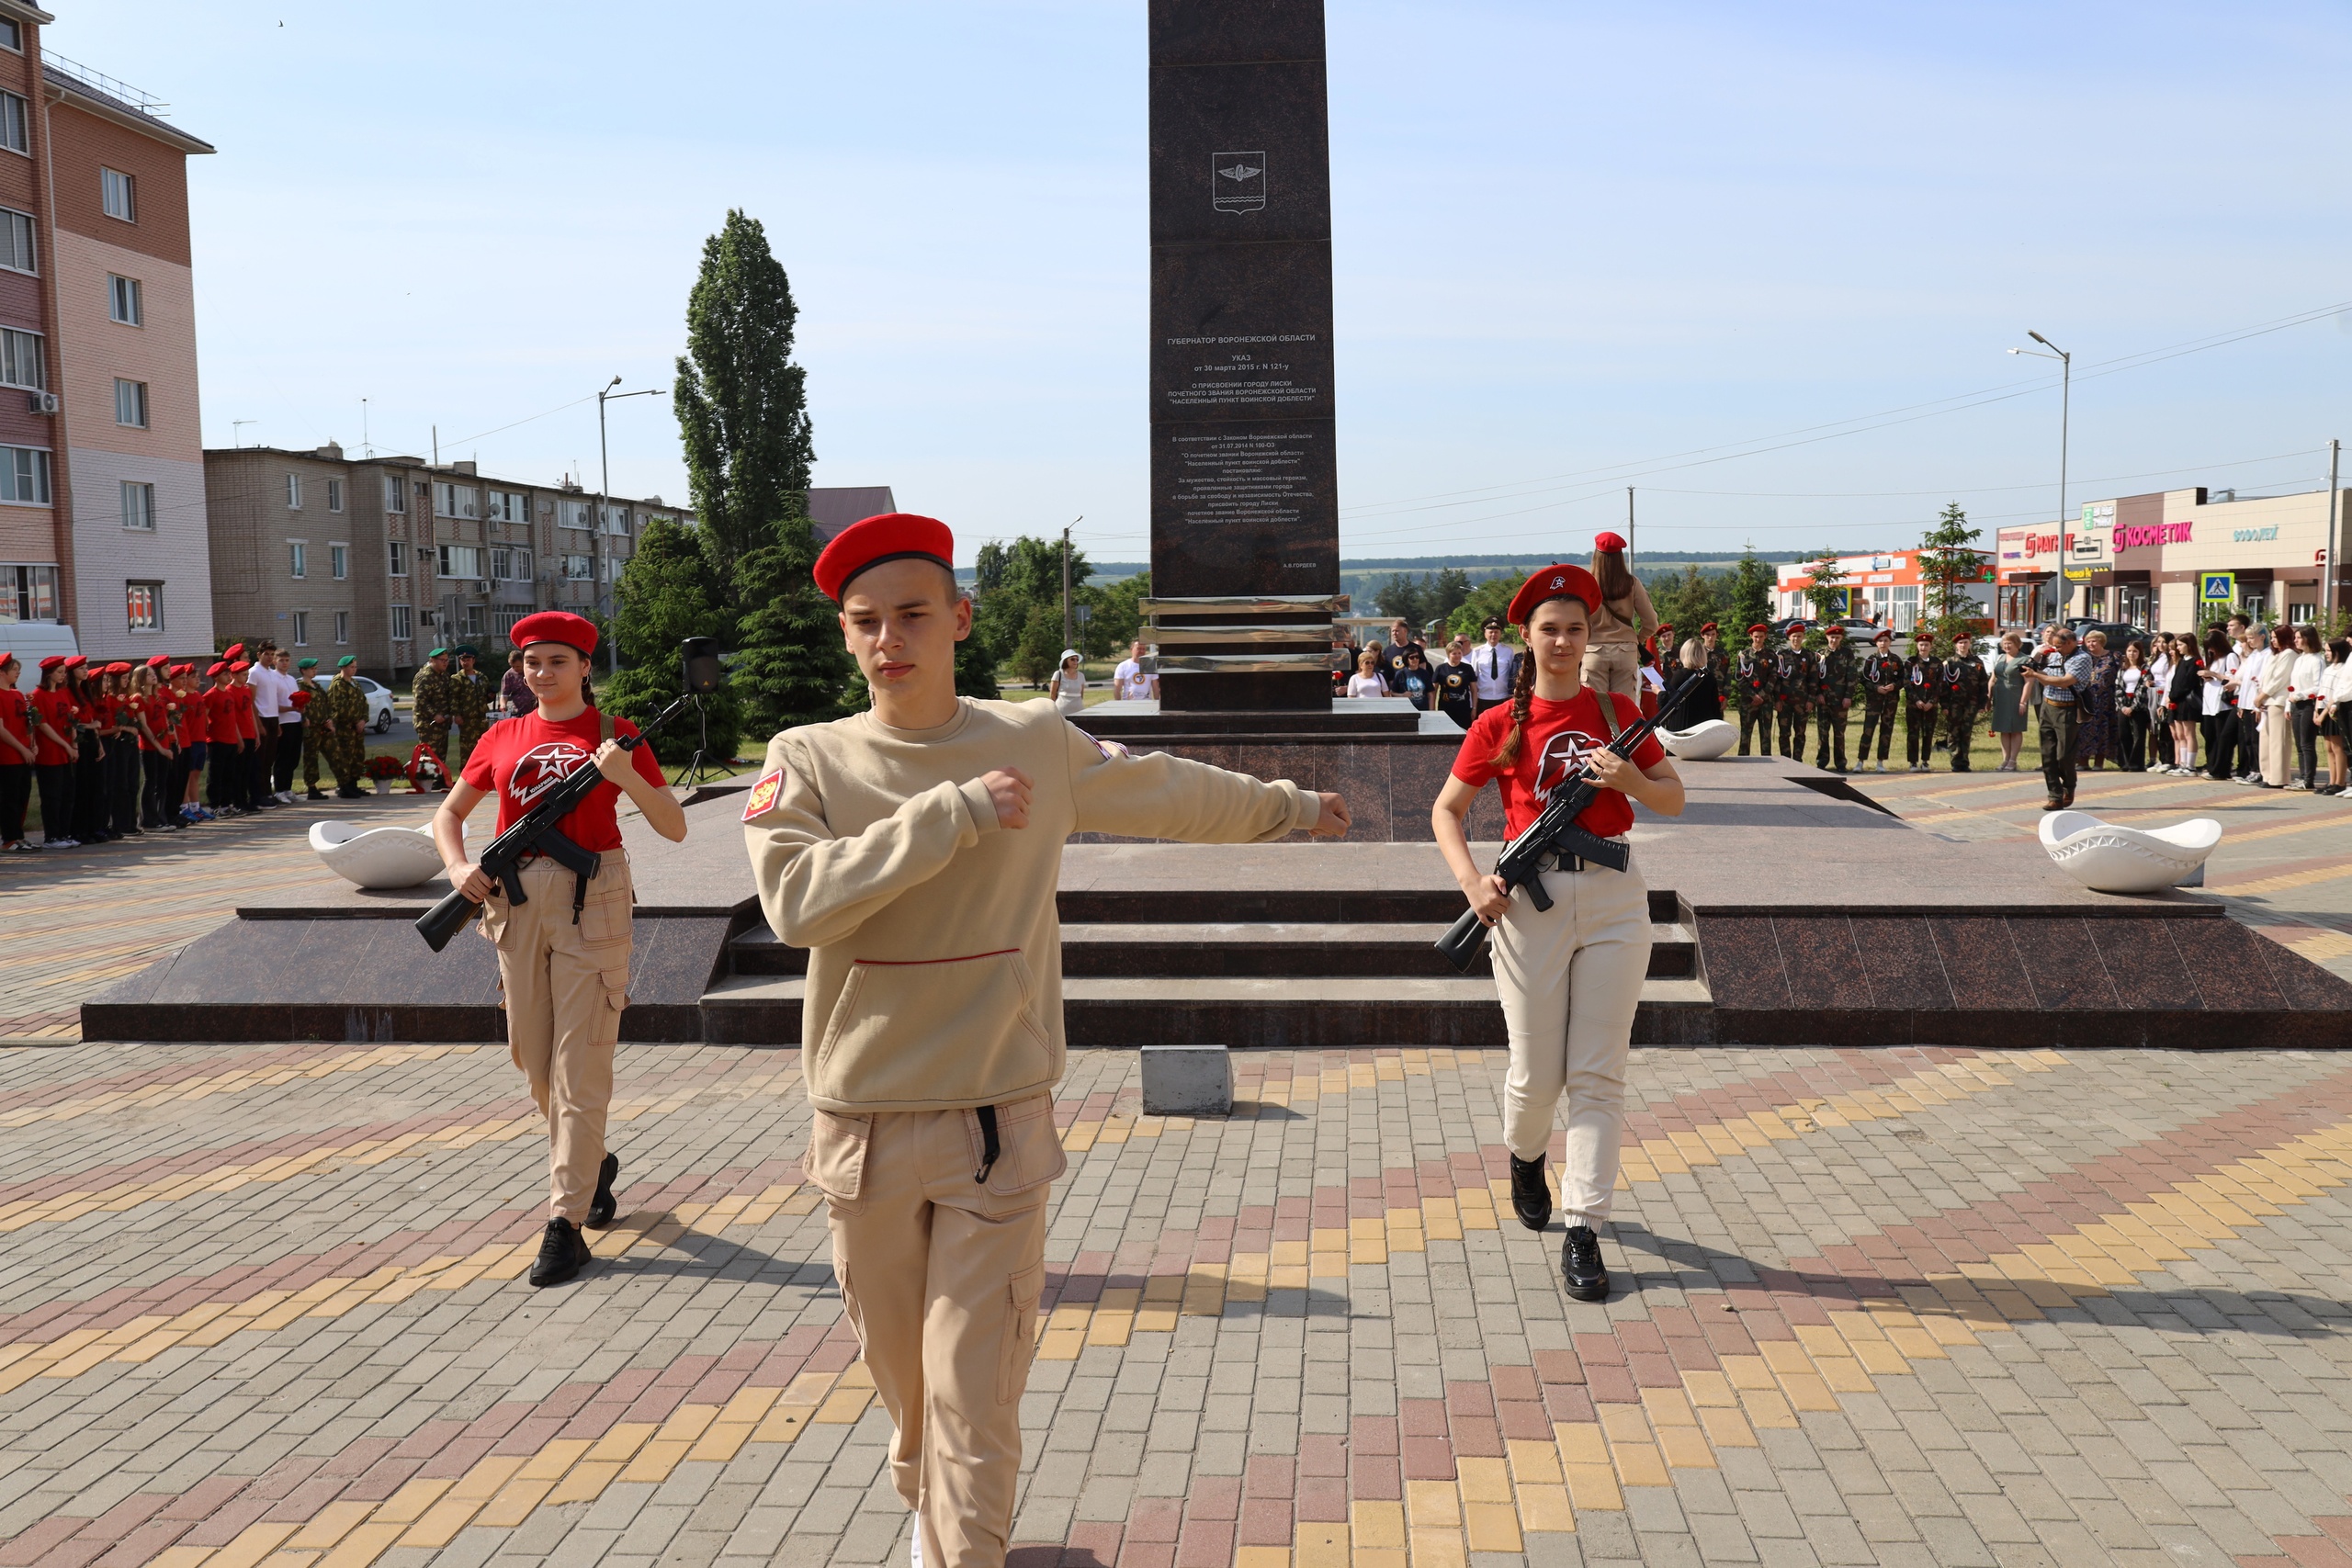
x: 764, y: 793
x: 1110, y: 748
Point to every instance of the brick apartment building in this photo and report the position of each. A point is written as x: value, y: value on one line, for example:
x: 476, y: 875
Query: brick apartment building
x: 97, y: 359
x: 389, y: 557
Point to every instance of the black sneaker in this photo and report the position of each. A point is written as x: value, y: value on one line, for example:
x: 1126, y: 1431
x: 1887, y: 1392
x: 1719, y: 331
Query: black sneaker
x: 562, y: 1254
x: 1580, y: 1267
x: 602, y: 1207
x: 316, y: 794
x: 1529, y: 1198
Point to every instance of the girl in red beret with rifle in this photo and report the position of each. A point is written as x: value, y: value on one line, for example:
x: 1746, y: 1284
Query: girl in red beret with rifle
x: 1570, y: 977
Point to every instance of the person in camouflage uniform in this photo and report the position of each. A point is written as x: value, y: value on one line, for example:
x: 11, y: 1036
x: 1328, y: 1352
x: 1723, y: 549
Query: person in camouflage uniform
x: 471, y: 690
x: 1922, y: 692
x: 1797, y: 675
x: 1882, y: 694
x: 1834, y: 697
x: 1758, y: 694
x: 1966, y: 690
x: 313, y: 726
x: 433, y: 701
x: 1718, y: 660
x: 345, y: 705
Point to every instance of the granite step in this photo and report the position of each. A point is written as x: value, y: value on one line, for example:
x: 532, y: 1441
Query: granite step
x: 1262, y: 1011
x: 1241, y: 948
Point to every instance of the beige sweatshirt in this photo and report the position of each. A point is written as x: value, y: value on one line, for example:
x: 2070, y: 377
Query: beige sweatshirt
x: 934, y: 975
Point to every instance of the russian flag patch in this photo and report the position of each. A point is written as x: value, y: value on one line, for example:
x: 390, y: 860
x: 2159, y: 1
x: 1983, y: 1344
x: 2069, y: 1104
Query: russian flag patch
x: 764, y: 793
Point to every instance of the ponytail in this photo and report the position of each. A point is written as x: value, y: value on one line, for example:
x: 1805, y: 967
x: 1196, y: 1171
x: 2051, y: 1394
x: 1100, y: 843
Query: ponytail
x: 1522, y: 697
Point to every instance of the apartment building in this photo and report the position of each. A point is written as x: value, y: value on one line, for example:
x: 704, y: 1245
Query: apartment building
x: 102, y: 506
x: 389, y: 557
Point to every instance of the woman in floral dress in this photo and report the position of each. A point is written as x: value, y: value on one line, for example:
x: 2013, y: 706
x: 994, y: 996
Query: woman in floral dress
x: 2098, y: 733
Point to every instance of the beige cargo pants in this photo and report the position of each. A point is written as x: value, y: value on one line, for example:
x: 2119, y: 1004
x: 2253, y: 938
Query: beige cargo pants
x: 939, y: 1275
x: 565, y: 985
x: 1614, y: 667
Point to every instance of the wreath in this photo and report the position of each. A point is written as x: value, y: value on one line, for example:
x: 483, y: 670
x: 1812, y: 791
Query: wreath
x: 381, y: 767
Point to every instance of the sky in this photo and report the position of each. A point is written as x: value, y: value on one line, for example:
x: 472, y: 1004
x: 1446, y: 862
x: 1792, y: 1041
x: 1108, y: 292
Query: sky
x: 1761, y: 262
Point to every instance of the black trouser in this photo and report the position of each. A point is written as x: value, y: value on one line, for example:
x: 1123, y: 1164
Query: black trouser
x: 1832, y: 727
x: 90, y: 807
x: 1792, y: 718
x: 2249, y: 734
x: 56, y: 781
x: 1753, y: 718
x: 289, y: 753
x: 1919, y: 733
x: 259, y: 761
x: 2306, y: 733
x: 188, y: 760
x: 2221, y: 731
x: 221, y: 788
x: 1959, y: 727
x: 122, y: 782
x: 16, y: 790
x: 158, y: 808
x: 2132, y: 726
x: 1878, y: 715
x: 2061, y: 727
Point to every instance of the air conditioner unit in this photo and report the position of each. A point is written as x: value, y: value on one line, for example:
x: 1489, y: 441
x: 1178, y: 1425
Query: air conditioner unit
x: 42, y: 402
x: 482, y: 588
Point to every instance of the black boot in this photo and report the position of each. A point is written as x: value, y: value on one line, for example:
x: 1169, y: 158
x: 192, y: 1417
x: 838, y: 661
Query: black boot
x: 315, y: 793
x: 601, y: 1207
x: 562, y: 1254
x: 1530, y: 1199
x: 1581, y: 1269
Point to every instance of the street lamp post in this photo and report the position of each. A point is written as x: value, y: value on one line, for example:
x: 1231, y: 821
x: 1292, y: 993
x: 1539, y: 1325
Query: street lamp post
x: 2065, y: 398
x: 597, y: 523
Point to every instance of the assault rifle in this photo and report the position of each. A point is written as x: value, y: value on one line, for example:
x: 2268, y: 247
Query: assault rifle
x: 1555, y: 835
x: 503, y: 860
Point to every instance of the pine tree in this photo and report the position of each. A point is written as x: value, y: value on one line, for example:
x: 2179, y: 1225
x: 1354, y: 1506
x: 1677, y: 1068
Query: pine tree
x: 1750, y: 592
x: 1950, y: 563
x: 668, y: 595
x: 741, y: 400
x: 793, y: 668
x: 1827, y: 594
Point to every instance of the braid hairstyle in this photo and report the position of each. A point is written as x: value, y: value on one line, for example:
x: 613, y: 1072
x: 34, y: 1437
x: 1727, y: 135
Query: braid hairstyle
x: 1522, y: 697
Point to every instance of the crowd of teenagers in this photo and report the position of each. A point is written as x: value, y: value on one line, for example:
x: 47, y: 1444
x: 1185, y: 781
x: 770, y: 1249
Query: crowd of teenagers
x: 122, y: 751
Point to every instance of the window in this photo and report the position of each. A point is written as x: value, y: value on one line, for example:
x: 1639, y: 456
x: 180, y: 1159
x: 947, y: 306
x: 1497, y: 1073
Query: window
x: 342, y: 628
x: 399, y: 558
x: 28, y: 593
x: 1906, y: 608
x: 139, y: 506
x: 400, y: 629
x: 125, y: 302
x: 117, y: 192
x: 455, y: 501
x: 13, y: 123
x: 145, y: 602
x: 462, y: 560
x: 294, y: 493
x: 501, y: 564
x: 338, y: 561
x: 617, y: 521
x: 301, y: 628
x: 577, y: 569
x: 17, y: 240
x: 509, y: 506
x: 20, y: 359
x: 521, y: 567
x: 470, y: 621
x: 395, y: 494
x: 12, y: 36
x: 24, y: 475
x: 131, y: 403
x: 573, y: 514
x: 334, y: 495
x: 298, y: 555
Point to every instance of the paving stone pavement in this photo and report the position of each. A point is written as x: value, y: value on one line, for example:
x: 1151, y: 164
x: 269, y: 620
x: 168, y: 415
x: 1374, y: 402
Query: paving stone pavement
x: 261, y: 1307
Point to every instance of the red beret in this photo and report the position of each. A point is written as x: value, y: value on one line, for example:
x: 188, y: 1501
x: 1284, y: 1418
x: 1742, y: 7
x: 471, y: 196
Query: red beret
x: 1607, y: 542
x: 239, y: 666
x: 217, y: 668
x: 1760, y: 626
x: 52, y: 662
x: 234, y: 650
x: 159, y: 661
x: 1882, y: 635
x: 1705, y: 630
x: 870, y: 541
x: 556, y: 626
x: 73, y: 659
x: 118, y: 668
x: 1554, y: 583
x: 1796, y: 625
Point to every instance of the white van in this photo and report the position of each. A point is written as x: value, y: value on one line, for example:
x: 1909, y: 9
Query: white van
x: 32, y: 641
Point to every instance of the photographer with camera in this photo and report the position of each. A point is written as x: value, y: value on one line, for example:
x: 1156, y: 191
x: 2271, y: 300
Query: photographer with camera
x: 563, y: 946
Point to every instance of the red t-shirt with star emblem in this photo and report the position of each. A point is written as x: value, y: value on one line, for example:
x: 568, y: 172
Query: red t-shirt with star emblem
x: 1558, y: 735
x: 519, y: 760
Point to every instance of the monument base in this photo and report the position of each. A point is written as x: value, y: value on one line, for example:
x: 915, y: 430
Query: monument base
x: 1336, y: 717
x: 1284, y: 691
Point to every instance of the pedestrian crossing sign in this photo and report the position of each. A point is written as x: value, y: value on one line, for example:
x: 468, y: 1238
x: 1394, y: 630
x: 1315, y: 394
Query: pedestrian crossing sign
x: 2217, y: 587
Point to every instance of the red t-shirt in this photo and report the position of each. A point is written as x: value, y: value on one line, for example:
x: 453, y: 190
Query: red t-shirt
x: 56, y: 707
x: 220, y: 706
x: 248, y: 726
x: 519, y: 760
x: 1558, y: 736
x: 15, y: 718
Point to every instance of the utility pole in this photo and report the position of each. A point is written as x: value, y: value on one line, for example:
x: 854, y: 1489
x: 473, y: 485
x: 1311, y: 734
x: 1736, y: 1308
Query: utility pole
x: 2328, y: 587
x: 1628, y: 528
x: 1066, y: 622
x: 596, y: 520
x: 2065, y: 398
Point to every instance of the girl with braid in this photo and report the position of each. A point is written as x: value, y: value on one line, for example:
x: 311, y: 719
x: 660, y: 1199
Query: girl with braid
x: 1570, y: 977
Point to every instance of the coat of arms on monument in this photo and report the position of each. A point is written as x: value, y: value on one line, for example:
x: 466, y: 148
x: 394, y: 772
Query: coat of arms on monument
x: 1237, y: 181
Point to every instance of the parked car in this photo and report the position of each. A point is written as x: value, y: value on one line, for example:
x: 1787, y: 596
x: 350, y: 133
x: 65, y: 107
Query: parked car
x: 1859, y: 631
x: 33, y: 641
x: 379, y: 700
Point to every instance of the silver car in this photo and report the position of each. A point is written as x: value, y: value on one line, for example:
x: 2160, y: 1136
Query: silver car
x: 379, y: 700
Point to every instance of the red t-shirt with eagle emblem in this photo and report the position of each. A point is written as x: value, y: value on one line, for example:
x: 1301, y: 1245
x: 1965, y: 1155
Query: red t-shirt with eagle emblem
x: 519, y: 760
x: 1558, y: 736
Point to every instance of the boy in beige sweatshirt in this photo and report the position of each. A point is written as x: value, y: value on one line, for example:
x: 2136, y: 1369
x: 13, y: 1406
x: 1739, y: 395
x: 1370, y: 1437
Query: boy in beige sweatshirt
x: 915, y: 850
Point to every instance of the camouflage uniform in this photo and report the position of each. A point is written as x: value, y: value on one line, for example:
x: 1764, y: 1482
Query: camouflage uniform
x: 1966, y: 688
x: 1797, y: 673
x: 470, y: 701
x: 434, y: 706
x: 1923, y: 690
x: 346, y: 742
x: 1758, y: 698
x: 313, y: 726
x: 1878, y: 708
x: 1839, y: 668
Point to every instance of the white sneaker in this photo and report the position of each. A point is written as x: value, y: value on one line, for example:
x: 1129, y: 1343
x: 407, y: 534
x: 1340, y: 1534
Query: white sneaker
x: 284, y: 797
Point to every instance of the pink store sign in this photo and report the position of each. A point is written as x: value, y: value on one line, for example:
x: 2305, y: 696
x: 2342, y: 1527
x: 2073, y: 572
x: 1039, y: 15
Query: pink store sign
x: 2140, y: 536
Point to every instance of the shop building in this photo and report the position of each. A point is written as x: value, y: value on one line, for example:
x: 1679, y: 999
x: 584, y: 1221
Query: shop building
x: 1885, y: 589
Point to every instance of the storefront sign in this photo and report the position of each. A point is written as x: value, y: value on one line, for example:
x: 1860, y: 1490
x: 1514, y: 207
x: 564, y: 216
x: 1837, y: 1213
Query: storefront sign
x: 2078, y: 574
x: 2254, y: 536
x: 2217, y: 587
x: 2140, y: 535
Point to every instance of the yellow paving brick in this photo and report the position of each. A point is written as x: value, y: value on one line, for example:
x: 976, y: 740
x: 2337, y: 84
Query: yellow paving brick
x: 844, y: 1405
x: 1437, y: 1549
x: 1685, y: 1448
x: 722, y: 1442
x: 585, y: 1482
x: 1433, y: 1504
x: 1726, y: 1428
x: 782, y: 1423
x: 1638, y: 1464
x: 1546, y: 1508
x: 1492, y: 1526
x: 1532, y: 1464
x: 1321, y: 1544
x: 408, y: 1505
x: 357, y: 1550
x: 1261, y: 1557
x: 621, y: 1440
x: 1483, y: 1480
x: 656, y: 1459
x: 1376, y: 1524
x: 330, y: 1524
x: 515, y: 1501
x: 253, y: 1544
x: 1767, y: 1408
x: 552, y: 1461
x: 441, y: 1523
